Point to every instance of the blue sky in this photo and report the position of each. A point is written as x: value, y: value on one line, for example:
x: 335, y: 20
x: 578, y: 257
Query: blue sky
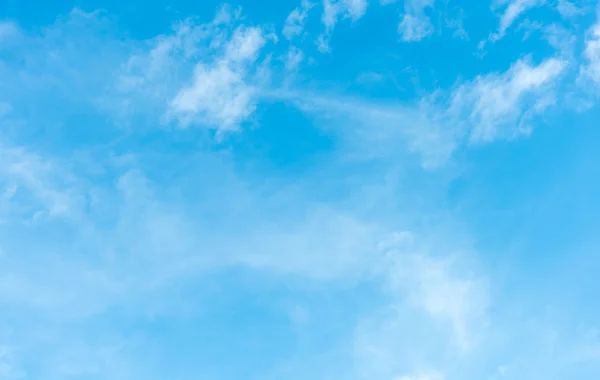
x: 325, y: 189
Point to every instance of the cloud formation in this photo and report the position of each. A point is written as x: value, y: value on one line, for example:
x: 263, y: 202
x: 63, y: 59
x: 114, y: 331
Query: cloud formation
x: 513, y: 9
x: 502, y: 105
x: 296, y: 20
x: 494, y: 106
x: 415, y: 24
x: 345, y: 231
x: 591, y: 68
x: 332, y: 11
x: 219, y: 94
x: 221, y: 57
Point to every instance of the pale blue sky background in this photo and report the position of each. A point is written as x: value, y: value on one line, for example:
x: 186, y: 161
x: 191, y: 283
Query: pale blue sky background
x: 335, y: 189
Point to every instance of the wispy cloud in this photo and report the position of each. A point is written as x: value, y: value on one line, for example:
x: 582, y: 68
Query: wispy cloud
x: 294, y: 59
x: 415, y: 24
x: 34, y: 187
x: 591, y: 68
x: 373, y: 130
x: 56, y: 58
x: 423, y: 286
x: 489, y: 107
x: 568, y: 10
x: 502, y: 105
x: 332, y: 11
x: 431, y: 286
x: 104, y: 228
x: 512, y: 11
x: 558, y: 37
x: 296, y: 20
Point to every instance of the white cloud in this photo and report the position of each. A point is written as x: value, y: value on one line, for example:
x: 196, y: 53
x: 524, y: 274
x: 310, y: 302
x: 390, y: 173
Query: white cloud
x: 43, y: 189
x: 373, y: 131
x: 294, y: 58
x: 59, y: 58
x: 487, y: 108
x: 223, y: 64
x: 142, y: 230
x: 436, y: 286
x: 436, y: 315
x: 561, y: 39
x: 557, y: 36
x: 502, y: 105
x: 151, y: 77
x: 244, y: 45
x: 219, y: 94
x: 456, y: 23
x: 322, y: 43
x: 415, y: 27
x: 355, y: 8
x: 332, y: 11
x: 294, y: 23
x: 591, y: 68
x: 568, y: 10
x: 513, y: 10
x: 326, y: 245
x: 415, y: 24
x: 107, y: 258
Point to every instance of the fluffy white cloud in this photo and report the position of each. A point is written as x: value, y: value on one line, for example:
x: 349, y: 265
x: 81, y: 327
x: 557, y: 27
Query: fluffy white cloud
x: 502, y: 105
x: 513, y: 10
x: 415, y: 24
x: 295, y: 21
x: 219, y: 94
x: 222, y: 59
x: 591, y: 68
